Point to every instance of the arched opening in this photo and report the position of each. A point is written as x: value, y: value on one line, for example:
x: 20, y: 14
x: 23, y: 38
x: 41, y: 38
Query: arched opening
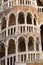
x: 29, y: 18
x: 35, y: 19
x: 31, y: 44
x: 2, y: 53
x: 37, y: 44
x: 12, y: 19
x: 21, y: 45
x: 11, y: 51
x: 11, y: 48
x: 39, y: 2
x: 41, y: 27
x: 21, y: 19
x: 3, y: 23
x: 2, y: 50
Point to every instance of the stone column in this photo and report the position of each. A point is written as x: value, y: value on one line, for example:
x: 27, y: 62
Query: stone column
x: 35, y: 1
x: 16, y: 24
x: 6, y: 53
x: 24, y: 1
x: 7, y: 27
x: 33, y: 23
x: 26, y: 51
x: 35, y: 47
x: 32, y: 20
x: 17, y: 2
x: 25, y: 23
x: 8, y: 3
x: 16, y: 52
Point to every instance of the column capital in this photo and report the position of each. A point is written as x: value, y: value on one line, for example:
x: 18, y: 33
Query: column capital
x: 26, y: 41
x: 16, y: 42
x: 7, y: 19
x: 6, y: 46
x: 16, y: 16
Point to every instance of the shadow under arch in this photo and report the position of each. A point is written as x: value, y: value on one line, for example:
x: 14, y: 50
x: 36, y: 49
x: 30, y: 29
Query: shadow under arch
x: 41, y: 33
x: 21, y: 44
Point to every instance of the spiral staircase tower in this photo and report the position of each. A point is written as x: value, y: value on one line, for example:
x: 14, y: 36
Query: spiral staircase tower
x: 21, y: 28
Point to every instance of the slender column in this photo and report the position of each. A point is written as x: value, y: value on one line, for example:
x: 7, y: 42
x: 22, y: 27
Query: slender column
x: 25, y: 23
x: 35, y: 1
x: 32, y: 20
x: 6, y: 53
x: 31, y: 2
x: 33, y: 23
x: 37, y: 25
x: 35, y: 47
x: 24, y: 1
x: 17, y: 1
x: 16, y: 52
x: 8, y: 3
x: 16, y: 24
x: 26, y: 51
x: 7, y: 28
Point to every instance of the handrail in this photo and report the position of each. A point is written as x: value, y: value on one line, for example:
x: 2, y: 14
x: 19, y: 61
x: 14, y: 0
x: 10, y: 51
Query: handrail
x: 11, y: 3
x: 40, y: 9
x: 21, y: 29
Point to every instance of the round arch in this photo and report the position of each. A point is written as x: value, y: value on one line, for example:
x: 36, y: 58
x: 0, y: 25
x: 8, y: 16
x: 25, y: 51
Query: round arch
x: 11, y: 47
x: 29, y: 12
x: 30, y: 43
x: 2, y: 49
x: 10, y: 14
x: 21, y: 44
x: 3, y: 22
x: 21, y: 36
x: 20, y: 11
x: 12, y: 19
x: 40, y: 24
x: 29, y: 16
x: 9, y: 39
x: 30, y: 36
x: 21, y: 18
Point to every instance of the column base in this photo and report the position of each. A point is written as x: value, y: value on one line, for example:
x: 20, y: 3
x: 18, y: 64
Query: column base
x: 27, y: 61
x: 16, y: 63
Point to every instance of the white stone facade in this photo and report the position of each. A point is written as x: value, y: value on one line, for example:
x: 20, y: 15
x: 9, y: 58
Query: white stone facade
x: 20, y: 39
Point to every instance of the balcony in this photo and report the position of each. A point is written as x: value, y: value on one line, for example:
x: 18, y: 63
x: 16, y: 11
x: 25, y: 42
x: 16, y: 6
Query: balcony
x: 19, y: 29
x: 11, y: 3
x: 40, y: 9
x: 32, y: 56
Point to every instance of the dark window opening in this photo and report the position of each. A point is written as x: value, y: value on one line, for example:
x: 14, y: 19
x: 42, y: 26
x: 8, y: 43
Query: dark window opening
x: 21, y: 19
x: 12, y: 19
x: 29, y: 18
x: 21, y: 46
x: 42, y: 36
